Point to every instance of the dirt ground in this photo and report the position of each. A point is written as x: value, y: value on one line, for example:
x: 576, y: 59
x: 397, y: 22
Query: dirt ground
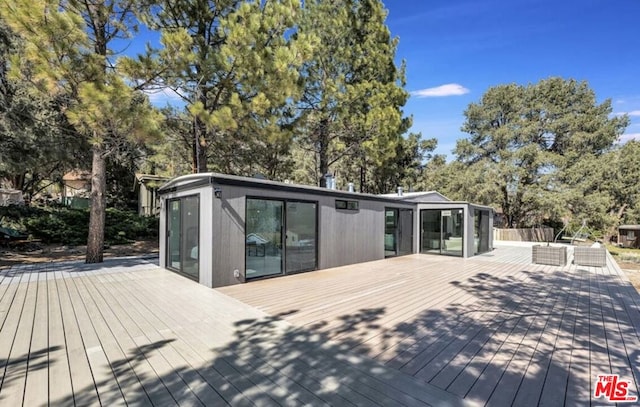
x: 46, y: 253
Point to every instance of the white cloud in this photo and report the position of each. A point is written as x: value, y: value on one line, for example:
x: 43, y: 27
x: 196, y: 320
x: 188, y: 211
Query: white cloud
x: 449, y: 89
x: 632, y: 113
x: 164, y: 96
x: 630, y: 136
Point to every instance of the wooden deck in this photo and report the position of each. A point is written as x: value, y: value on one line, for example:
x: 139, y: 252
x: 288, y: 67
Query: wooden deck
x: 493, y: 329
x: 129, y: 333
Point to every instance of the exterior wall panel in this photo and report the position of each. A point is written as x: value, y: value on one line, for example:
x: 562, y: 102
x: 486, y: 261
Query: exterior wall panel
x: 228, y: 225
x: 348, y: 237
x: 343, y: 236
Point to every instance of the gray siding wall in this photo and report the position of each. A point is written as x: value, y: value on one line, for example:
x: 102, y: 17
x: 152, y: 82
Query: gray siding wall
x: 348, y: 237
x: 229, y: 240
x: 345, y: 237
x: 469, y: 239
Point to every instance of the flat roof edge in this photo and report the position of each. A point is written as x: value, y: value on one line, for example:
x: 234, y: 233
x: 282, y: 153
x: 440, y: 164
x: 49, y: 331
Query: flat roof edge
x: 192, y: 181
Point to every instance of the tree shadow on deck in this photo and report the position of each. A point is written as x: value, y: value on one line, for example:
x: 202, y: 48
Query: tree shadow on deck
x: 538, y: 338
x: 18, y: 367
x: 535, y: 338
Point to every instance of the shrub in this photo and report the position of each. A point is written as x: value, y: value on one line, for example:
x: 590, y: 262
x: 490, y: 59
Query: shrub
x: 70, y: 226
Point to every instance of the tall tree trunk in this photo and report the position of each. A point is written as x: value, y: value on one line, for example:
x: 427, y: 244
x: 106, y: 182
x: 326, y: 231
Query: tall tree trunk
x: 95, y: 240
x: 323, y: 151
x: 199, y: 148
x: 613, y: 229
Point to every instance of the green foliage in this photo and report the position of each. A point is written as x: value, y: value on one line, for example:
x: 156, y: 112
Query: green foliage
x: 353, y: 91
x: 36, y: 141
x: 235, y: 65
x: 525, y: 139
x: 403, y: 169
x: 605, y: 189
x: 69, y: 50
x: 70, y: 226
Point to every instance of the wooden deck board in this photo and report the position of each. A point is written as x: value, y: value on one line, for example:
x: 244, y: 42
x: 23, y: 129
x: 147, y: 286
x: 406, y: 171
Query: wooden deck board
x: 476, y: 335
x: 130, y: 367
x: 494, y: 328
x: 60, y: 387
x: 36, y: 386
x: 435, y: 324
x: 172, y: 370
x: 104, y: 378
x: 456, y: 372
x: 17, y: 348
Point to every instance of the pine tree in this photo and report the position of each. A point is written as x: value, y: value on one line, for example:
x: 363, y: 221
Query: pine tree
x: 234, y: 63
x: 70, y: 49
x: 353, y: 91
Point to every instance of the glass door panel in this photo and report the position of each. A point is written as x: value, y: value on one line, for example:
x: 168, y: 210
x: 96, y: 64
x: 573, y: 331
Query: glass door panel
x: 390, y: 232
x: 190, y: 236
x: 301, y: 237
x: 263, y: 248
x: 430, y: 224
x: 173, y: 235
x: 183, y: 233
x: 405, y: 232
x: 481, y: 231
x: 452, y: 232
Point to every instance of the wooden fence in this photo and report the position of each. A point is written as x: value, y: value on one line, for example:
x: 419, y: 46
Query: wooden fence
x: 540, y: 234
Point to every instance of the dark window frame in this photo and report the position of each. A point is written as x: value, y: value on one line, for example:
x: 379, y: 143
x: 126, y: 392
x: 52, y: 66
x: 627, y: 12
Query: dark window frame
x: 347, y: 205
x: 284, y: 229
x: 167, y: 254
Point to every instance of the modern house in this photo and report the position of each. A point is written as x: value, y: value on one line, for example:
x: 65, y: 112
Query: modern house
x: 221, y: 229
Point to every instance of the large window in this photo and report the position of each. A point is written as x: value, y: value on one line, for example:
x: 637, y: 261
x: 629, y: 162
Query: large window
x: 442, y: 231
x: 183, y: 232
x: 281, y: 237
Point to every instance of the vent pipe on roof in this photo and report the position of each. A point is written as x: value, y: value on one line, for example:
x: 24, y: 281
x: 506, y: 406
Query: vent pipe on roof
x: 330, y: 182
x: 350, y: 186
x: 399, y: 191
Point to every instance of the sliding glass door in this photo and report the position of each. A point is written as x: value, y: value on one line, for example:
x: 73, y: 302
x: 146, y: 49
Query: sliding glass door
x: 174, y: 254
x: 281, y: 237
x: 431, y: 227
x: 301, y: 247
x: 452, y: 232
x: 398, y: 232
x: 263, y: 250
x: 183, y: 233
x: 442, y: 231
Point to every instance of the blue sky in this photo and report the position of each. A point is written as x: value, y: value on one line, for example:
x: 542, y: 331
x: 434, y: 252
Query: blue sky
x: 459, y: 49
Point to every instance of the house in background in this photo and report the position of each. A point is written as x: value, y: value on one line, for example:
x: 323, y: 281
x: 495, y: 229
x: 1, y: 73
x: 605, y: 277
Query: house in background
x: 76, y: 188
x: 147, y: 185
x: 221, y: 229
x: 10, y: 197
